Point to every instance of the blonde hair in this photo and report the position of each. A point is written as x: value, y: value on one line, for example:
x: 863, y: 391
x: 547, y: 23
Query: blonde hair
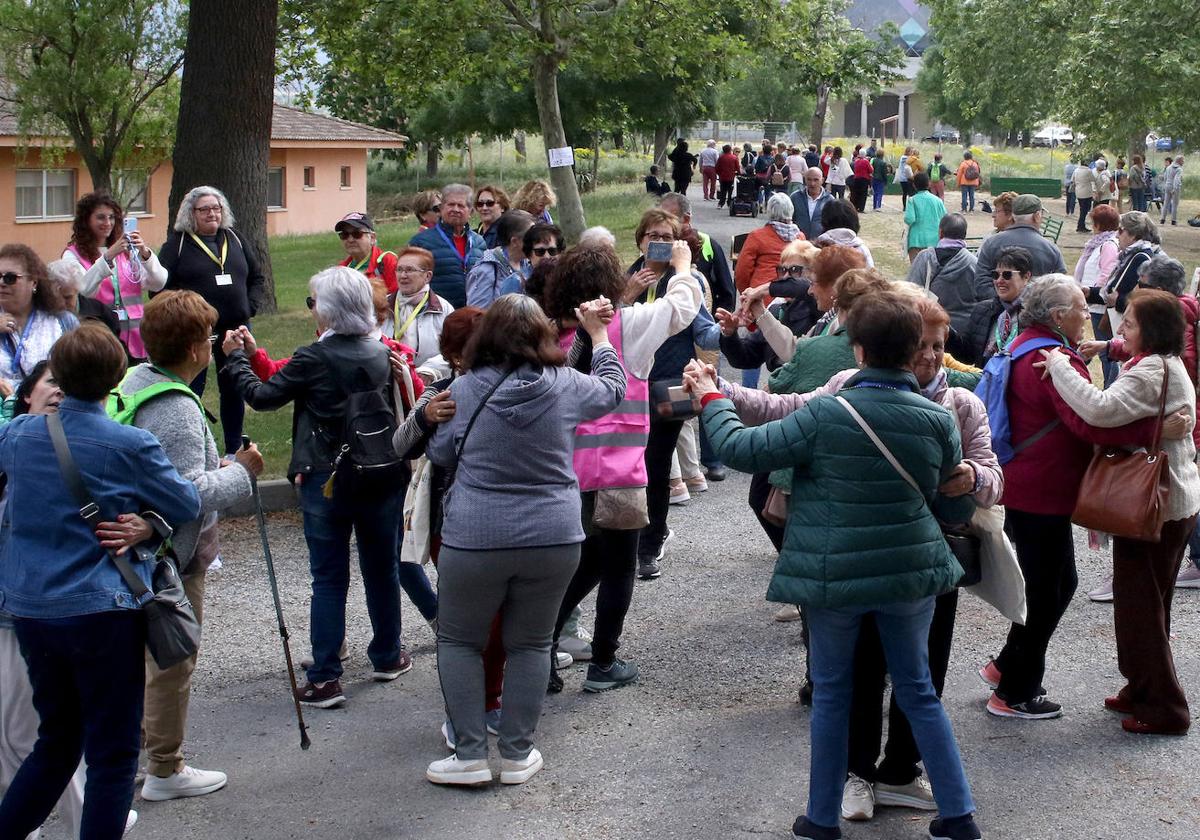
x: 533, y: 195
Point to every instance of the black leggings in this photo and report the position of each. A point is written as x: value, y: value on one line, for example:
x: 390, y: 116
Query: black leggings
x: 608, y: 560
x: 681, y: 183
x: 660, y: 446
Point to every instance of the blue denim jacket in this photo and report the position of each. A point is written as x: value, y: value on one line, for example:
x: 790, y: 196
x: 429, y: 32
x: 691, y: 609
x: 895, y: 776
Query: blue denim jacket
x: 51, y: 564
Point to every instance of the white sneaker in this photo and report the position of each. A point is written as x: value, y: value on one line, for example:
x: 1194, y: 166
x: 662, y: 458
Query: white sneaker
x: 916, y: 794
x: 1103, y: 593
x: 788, y: 612
x: 448, y: 735
x: 697, y: 484
x: 455, y: 771
x: 1189, y: 578
x: 130, y: 820
x: 187, y: 782
x: 514, y: 772
x: 679, y: 493
x: 579, y: 648
x: 858, y: 799
x: 563, y: 660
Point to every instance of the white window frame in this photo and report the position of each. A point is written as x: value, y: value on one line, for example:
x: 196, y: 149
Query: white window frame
x: 119, y: 175
x: 282, y: 170
x: 42, y: 215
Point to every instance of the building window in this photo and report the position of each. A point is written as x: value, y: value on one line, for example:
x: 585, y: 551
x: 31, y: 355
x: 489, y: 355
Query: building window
x: 45, y: 193
x: 345, y: 177
x: 132, y: 188
x: 310, y: 178
x: 275, y: 194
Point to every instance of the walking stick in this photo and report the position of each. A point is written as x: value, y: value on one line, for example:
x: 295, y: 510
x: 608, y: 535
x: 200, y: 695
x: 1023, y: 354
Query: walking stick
x: 305, y: 743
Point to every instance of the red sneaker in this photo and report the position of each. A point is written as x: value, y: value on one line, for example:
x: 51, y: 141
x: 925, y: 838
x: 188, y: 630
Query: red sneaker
x: 324, y: 696
x: 990, y: 674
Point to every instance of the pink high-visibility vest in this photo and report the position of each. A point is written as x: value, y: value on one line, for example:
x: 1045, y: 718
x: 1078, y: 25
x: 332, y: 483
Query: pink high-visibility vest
x: 131, y: 300
x: 610, y: 451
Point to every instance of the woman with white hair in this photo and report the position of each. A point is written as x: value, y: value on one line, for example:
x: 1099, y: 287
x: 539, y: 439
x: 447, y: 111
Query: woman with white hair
x: 204, y: 254
x: 70, y: 278
x: 758, y: 261
x: 340, y: 385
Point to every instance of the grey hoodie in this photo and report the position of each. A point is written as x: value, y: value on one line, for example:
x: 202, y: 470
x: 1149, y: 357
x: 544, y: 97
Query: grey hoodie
x: 951, y: 278
x: 516, y: 486
x: 183, y: 431
x: 847, y: 237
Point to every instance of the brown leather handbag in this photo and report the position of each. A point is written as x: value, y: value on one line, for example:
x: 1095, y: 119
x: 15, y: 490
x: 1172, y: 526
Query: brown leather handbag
x: 1124, y: 493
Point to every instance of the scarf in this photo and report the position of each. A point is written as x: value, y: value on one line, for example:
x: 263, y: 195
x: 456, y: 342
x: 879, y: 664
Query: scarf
x: 935, y: 386
x: 951, y: 243
x: 1090, y: 247
x: 787, y: 230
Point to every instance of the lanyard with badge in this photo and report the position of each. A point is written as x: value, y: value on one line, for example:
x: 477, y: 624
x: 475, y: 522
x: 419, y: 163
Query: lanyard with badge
x: 17, y: 370
x: 462, y: 257
x: 118, y: 304
x: 400, y: 333
x: 364, y: 266
x: 222, y: 279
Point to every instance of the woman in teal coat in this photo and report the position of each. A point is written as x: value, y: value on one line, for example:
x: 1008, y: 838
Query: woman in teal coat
x: 922, y: 215
x: 862, y: 539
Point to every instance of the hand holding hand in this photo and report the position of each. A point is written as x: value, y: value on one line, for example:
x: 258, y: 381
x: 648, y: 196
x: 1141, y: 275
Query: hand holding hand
x: 248, y: 342
x: 440, y: 409
x: 961, y: 481
x: 250, y: 458
x: 129, y: 530
x: 699, y: 379
x: 593, y: 316
x: 1088, y: 349
x: 233, y: 341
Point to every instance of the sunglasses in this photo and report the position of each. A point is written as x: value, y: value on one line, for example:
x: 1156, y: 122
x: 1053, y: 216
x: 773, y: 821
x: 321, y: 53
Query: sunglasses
x: 793, y: 270
x: 546, y: 252
x: 437, y: 208
x: 346, y: 234
x: 485, y: 203
x: 310, y: 302
x: 1007, y: 274
x: 10, y: 278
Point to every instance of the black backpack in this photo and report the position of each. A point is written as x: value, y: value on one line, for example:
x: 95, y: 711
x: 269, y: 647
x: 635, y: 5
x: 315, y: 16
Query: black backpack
x: 368, y: 422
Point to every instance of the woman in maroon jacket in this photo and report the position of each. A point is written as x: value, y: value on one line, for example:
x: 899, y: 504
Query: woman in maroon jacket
x: 1040, y: 488
x: 727, y: 171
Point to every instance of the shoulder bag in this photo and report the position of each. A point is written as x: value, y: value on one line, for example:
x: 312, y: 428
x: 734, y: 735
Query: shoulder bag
x: 1125, y: 493
x: 172, y: 631
x: 966, y: 548
x: 452, y: 471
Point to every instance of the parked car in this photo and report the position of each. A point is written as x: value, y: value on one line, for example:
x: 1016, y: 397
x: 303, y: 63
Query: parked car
x: 943, y: 135
x: 1166, y: 144
x: 1052, y: 136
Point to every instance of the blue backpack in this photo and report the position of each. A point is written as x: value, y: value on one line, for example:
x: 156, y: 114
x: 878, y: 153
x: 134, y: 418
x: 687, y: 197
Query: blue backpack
x: 993, y: 391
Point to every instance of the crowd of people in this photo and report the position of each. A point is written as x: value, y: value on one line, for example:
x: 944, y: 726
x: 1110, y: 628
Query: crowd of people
x: 479, y: 373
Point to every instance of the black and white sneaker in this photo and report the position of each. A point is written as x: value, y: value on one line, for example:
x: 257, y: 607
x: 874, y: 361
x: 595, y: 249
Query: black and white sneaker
x: 619, y: 673
x: 648, y: 561
x: 802, y: 829
x: 1038, y: 708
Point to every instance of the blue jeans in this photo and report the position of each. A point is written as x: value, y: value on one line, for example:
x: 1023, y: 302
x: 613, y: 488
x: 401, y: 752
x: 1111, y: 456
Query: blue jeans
x: 1137, y: 198
x: 1108, y: 367
x: 371, y: 513
x: 750, y: 379
x: 968, y: 197
x: 877, y: 188
x: 88, y: 675
x: 416, y: 586
x: 1194, y: 546
x: 904, y: 632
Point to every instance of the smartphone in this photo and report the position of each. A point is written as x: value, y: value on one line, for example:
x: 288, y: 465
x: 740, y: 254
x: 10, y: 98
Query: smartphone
x: 659, y: 252
x: 130, y: 226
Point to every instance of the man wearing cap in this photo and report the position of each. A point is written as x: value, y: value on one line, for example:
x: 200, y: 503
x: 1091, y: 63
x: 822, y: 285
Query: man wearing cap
x: 357, y: 232
x: 455, y: 247
x: 1024, y: 232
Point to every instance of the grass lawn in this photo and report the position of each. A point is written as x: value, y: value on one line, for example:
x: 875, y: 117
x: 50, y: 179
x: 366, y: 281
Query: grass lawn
x: 296, y: 258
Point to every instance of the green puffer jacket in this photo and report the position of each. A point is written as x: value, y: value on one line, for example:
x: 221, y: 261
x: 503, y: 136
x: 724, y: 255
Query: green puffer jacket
x: 856, y: 531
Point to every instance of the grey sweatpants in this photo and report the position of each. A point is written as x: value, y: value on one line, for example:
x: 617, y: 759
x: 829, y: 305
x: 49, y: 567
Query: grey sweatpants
x: 1170, y: 205
x: 527, y: 584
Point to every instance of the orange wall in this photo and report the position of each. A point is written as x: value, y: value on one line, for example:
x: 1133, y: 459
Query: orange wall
x: 306, y: 211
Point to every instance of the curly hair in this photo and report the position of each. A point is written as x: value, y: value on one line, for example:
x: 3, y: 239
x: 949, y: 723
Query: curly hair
x: 514, y: 332
x: 534, y: 196
x: 583, y: 273
x: 81, y: 229
x: 46, y: 297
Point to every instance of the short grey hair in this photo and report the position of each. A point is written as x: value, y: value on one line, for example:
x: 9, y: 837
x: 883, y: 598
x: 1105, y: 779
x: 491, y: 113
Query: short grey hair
x: 185, y: 221
x: 779, y: 208
x: 1046, y: 295
x: 1160, y: 272
x: 1102, y: 164
x: 344, y: 302
x: 598, y: 235
x: 1025, y: 218
x: 1140, y: 226
x: 458, y: 189
x: 682, y: 203
x: 67, y: 272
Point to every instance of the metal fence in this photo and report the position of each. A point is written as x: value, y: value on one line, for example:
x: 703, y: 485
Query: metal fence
x: 730, y: 131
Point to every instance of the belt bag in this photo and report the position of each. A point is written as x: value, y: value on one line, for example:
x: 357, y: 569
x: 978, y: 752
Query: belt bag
x: 621, y: 509
x: 172, y: 631
x: 668, y: 403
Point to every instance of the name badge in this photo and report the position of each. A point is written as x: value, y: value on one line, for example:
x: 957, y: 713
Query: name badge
x: 224, y: 280
x: 122, y: 315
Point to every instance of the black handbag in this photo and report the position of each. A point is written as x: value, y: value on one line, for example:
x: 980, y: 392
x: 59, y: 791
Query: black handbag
x: 967, y: 550
x: 172, y: 631
x: 668, y: 401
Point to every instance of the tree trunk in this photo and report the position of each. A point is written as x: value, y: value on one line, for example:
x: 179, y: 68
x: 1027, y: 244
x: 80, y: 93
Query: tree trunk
x: 817, y: 128
x: 618, y: 138
x: 432, y: 152
x: 562, y: 178
x: 595, y: 162
x: 1137, y: 144
x: 225, y: 105
x: 662, y: 136
x: 519, y: 145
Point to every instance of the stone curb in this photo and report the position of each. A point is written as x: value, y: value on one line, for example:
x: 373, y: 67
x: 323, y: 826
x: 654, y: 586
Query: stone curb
x: 277, y: 494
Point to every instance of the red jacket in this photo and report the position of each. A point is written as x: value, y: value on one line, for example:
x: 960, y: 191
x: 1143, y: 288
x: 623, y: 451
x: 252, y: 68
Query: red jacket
x: 1045, y: 477
x: 863, y: 168
x: 759, y: 258
x: 382, y: 265
x: 728, y: 166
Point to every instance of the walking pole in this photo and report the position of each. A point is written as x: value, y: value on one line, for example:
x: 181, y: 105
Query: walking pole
x: 305, y: 743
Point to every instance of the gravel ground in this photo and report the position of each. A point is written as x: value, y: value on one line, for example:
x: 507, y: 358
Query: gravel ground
x: 709, y: 744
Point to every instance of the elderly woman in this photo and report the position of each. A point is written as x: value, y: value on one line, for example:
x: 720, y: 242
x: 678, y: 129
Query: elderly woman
x: 839, y: 225
x: 81, y: 630
x: 1092, y: 272
x: 1107, y: 184
x: 419, y: 313
x: 113, y: 274
x: 204, y: 254
x: 1139, y: 241
x: 337, y: 499
x: 922, y: 215
x: 994, y: 322
x: 491, y: 202
x: 455, y: 247
x: 536, y: 197
x: 501, y: 262
x: 68, y: 276
x: 427, y: 207
x: 610, y: 451
x: 1144, y: 571
x: 759, y: 258
x: 843, y: 573
x: 176, y: 329
x: 493, y: 553
x: 31, y: 315
x: 1053, y: 447
x: 359, y: 241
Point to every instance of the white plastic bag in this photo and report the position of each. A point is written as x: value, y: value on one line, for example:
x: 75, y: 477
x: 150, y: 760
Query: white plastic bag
x: 1002, y: 584
x: 417, y: 514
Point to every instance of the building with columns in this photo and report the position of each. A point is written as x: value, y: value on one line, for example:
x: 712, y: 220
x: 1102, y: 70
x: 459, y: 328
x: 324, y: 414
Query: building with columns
x: 860, y: 117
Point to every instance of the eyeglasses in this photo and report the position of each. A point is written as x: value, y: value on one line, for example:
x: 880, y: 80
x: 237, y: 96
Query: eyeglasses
x: 550, y: 251
x: 410, y: 269
x: 10, y: 278
x: 347, y: 234
x: 485, y: 203
x: 661, y: 237
x: 310, y: 302
x: 792, y: 270
x: 1007, y: 274
x: 211, y: 208
x: 437, y: 208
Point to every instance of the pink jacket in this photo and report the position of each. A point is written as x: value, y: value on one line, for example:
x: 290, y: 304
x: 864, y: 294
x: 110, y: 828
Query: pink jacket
x: 757, y: 407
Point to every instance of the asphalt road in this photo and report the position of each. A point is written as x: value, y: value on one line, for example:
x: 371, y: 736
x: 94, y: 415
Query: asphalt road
x: 709, y: 744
